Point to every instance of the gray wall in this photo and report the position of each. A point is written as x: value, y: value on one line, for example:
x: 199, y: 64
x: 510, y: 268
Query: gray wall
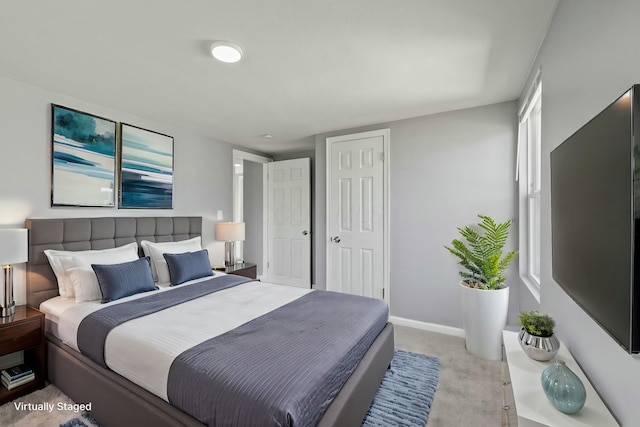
x: 252, y: 213
x: 202, y: 167
x: 588, y: 59
x: 445, y: 169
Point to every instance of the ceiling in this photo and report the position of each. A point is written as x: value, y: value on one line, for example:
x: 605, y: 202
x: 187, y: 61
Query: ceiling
x: 309, y: 66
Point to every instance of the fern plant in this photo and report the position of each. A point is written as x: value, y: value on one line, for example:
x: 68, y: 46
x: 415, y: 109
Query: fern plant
x: 482, y: 254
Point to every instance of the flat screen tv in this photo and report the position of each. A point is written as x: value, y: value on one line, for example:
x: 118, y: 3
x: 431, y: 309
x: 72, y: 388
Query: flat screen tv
x: 595, y: 208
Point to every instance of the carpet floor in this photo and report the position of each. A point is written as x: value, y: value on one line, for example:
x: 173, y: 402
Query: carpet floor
x: 470, y: 389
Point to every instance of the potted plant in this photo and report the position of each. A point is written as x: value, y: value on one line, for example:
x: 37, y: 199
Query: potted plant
x: 536, y: 336
x: 485, y: 296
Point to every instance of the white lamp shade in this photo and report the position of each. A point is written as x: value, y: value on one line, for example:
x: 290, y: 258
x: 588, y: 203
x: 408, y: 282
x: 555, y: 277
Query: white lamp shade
x: 13, y: 246
x: 230, y: 231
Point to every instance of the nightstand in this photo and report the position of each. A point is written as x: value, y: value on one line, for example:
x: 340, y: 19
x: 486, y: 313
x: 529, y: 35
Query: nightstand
x: 24, y: 331
x: 245, y: 269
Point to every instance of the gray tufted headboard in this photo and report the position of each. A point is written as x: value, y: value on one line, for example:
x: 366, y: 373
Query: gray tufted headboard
x: 79, y: 234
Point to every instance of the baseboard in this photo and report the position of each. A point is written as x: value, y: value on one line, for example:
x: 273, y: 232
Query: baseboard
x: 433, y: 327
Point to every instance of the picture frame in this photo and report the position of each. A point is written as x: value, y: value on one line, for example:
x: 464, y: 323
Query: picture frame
x: 83, y: 159
x: 146, y: 169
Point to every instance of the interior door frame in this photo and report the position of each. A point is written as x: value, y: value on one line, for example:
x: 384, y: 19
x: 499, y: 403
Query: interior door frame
x: 239, y: 155
x: 386, y: 136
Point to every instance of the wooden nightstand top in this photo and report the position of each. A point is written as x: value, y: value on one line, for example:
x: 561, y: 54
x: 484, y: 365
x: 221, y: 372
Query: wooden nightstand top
x: 246, y: 269
x: 23, y: 313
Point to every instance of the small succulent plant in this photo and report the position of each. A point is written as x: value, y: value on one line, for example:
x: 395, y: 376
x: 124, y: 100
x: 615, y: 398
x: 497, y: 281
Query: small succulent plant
x: 536, y: 323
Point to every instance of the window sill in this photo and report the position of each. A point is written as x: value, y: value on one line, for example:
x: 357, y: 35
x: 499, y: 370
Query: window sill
x: 533, y: 287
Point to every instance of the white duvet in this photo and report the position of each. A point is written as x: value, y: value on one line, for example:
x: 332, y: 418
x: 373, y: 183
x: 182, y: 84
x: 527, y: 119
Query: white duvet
x: 143, y: 349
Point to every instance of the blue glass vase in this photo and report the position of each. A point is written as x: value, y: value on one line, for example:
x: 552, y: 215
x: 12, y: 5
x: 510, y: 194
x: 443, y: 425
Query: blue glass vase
x: 563, y: 388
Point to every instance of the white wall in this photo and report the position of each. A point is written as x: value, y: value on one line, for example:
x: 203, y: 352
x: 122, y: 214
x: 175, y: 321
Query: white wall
x: 445, y: 169
x: 589, y: 58
x: 202, y: 167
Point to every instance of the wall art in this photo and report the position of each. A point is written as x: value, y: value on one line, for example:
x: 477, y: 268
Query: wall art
x: 84, y: 159
x: 146, y: 169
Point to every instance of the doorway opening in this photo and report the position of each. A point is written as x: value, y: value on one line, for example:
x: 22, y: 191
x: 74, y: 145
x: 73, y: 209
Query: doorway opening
x: 249, y: 206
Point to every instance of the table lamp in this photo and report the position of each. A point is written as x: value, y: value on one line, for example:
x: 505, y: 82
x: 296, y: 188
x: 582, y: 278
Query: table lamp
x: 230, y: 233
x: 13, y: 250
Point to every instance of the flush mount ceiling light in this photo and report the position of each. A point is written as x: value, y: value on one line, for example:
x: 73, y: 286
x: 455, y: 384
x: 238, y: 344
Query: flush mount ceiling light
x: 226, y: 51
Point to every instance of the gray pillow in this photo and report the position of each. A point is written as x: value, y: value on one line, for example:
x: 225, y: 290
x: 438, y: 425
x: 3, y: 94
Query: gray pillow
x: 188, y: 266
x: 122, y: 280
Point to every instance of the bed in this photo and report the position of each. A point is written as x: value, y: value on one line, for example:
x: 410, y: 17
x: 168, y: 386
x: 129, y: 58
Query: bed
x: 118, y: 401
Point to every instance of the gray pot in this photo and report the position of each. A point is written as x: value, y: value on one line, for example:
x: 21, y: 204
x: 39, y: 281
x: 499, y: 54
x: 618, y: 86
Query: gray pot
x: 539, y: 348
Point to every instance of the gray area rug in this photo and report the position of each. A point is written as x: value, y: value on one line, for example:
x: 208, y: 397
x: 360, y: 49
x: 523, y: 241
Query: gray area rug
x: 403, y: 400
x: 406, y: 393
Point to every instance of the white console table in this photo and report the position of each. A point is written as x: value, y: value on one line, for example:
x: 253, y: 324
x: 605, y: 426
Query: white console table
x: 533, y: 407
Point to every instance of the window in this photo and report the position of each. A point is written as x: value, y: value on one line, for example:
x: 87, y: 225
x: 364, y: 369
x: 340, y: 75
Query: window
x: 529, y: 176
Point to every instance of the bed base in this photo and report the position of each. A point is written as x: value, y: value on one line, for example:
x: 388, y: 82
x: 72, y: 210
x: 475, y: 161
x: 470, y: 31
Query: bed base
x: 116, y: 401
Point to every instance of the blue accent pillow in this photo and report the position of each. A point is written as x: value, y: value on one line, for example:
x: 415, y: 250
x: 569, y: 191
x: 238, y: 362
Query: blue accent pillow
x: 122, y: 280
x: 188, y: 266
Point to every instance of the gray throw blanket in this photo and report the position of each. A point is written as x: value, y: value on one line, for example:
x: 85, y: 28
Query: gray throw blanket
x: 281, y: 369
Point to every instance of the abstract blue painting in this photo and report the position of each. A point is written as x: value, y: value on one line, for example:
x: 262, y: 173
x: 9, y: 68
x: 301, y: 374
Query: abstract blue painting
x: 84, y: 159
x: 146, y: 169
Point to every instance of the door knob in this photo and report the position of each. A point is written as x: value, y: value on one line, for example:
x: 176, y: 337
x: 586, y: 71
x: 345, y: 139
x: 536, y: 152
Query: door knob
x: 336, y: 239
x: 305, y: 232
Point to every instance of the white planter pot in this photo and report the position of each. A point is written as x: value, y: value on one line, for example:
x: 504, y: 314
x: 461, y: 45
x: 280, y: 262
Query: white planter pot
x: 484, y: 314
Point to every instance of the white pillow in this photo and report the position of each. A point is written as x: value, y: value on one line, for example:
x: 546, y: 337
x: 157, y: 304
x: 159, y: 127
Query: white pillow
x: 117, y: 255
x: 82, y: 277
x: 85, y: 284
x: 154, y: 251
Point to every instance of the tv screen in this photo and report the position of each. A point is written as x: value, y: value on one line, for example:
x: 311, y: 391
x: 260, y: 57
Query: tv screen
x: 593, y: 219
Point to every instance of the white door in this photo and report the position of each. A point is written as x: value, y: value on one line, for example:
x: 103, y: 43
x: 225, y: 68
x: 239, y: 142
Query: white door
x: 289, y: 223
x: 357, y: 214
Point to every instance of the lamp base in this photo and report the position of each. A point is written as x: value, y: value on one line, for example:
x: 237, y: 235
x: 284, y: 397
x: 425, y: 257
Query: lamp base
x: 7, y: 304
x: 8, y: 311
x: 229, y: 254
